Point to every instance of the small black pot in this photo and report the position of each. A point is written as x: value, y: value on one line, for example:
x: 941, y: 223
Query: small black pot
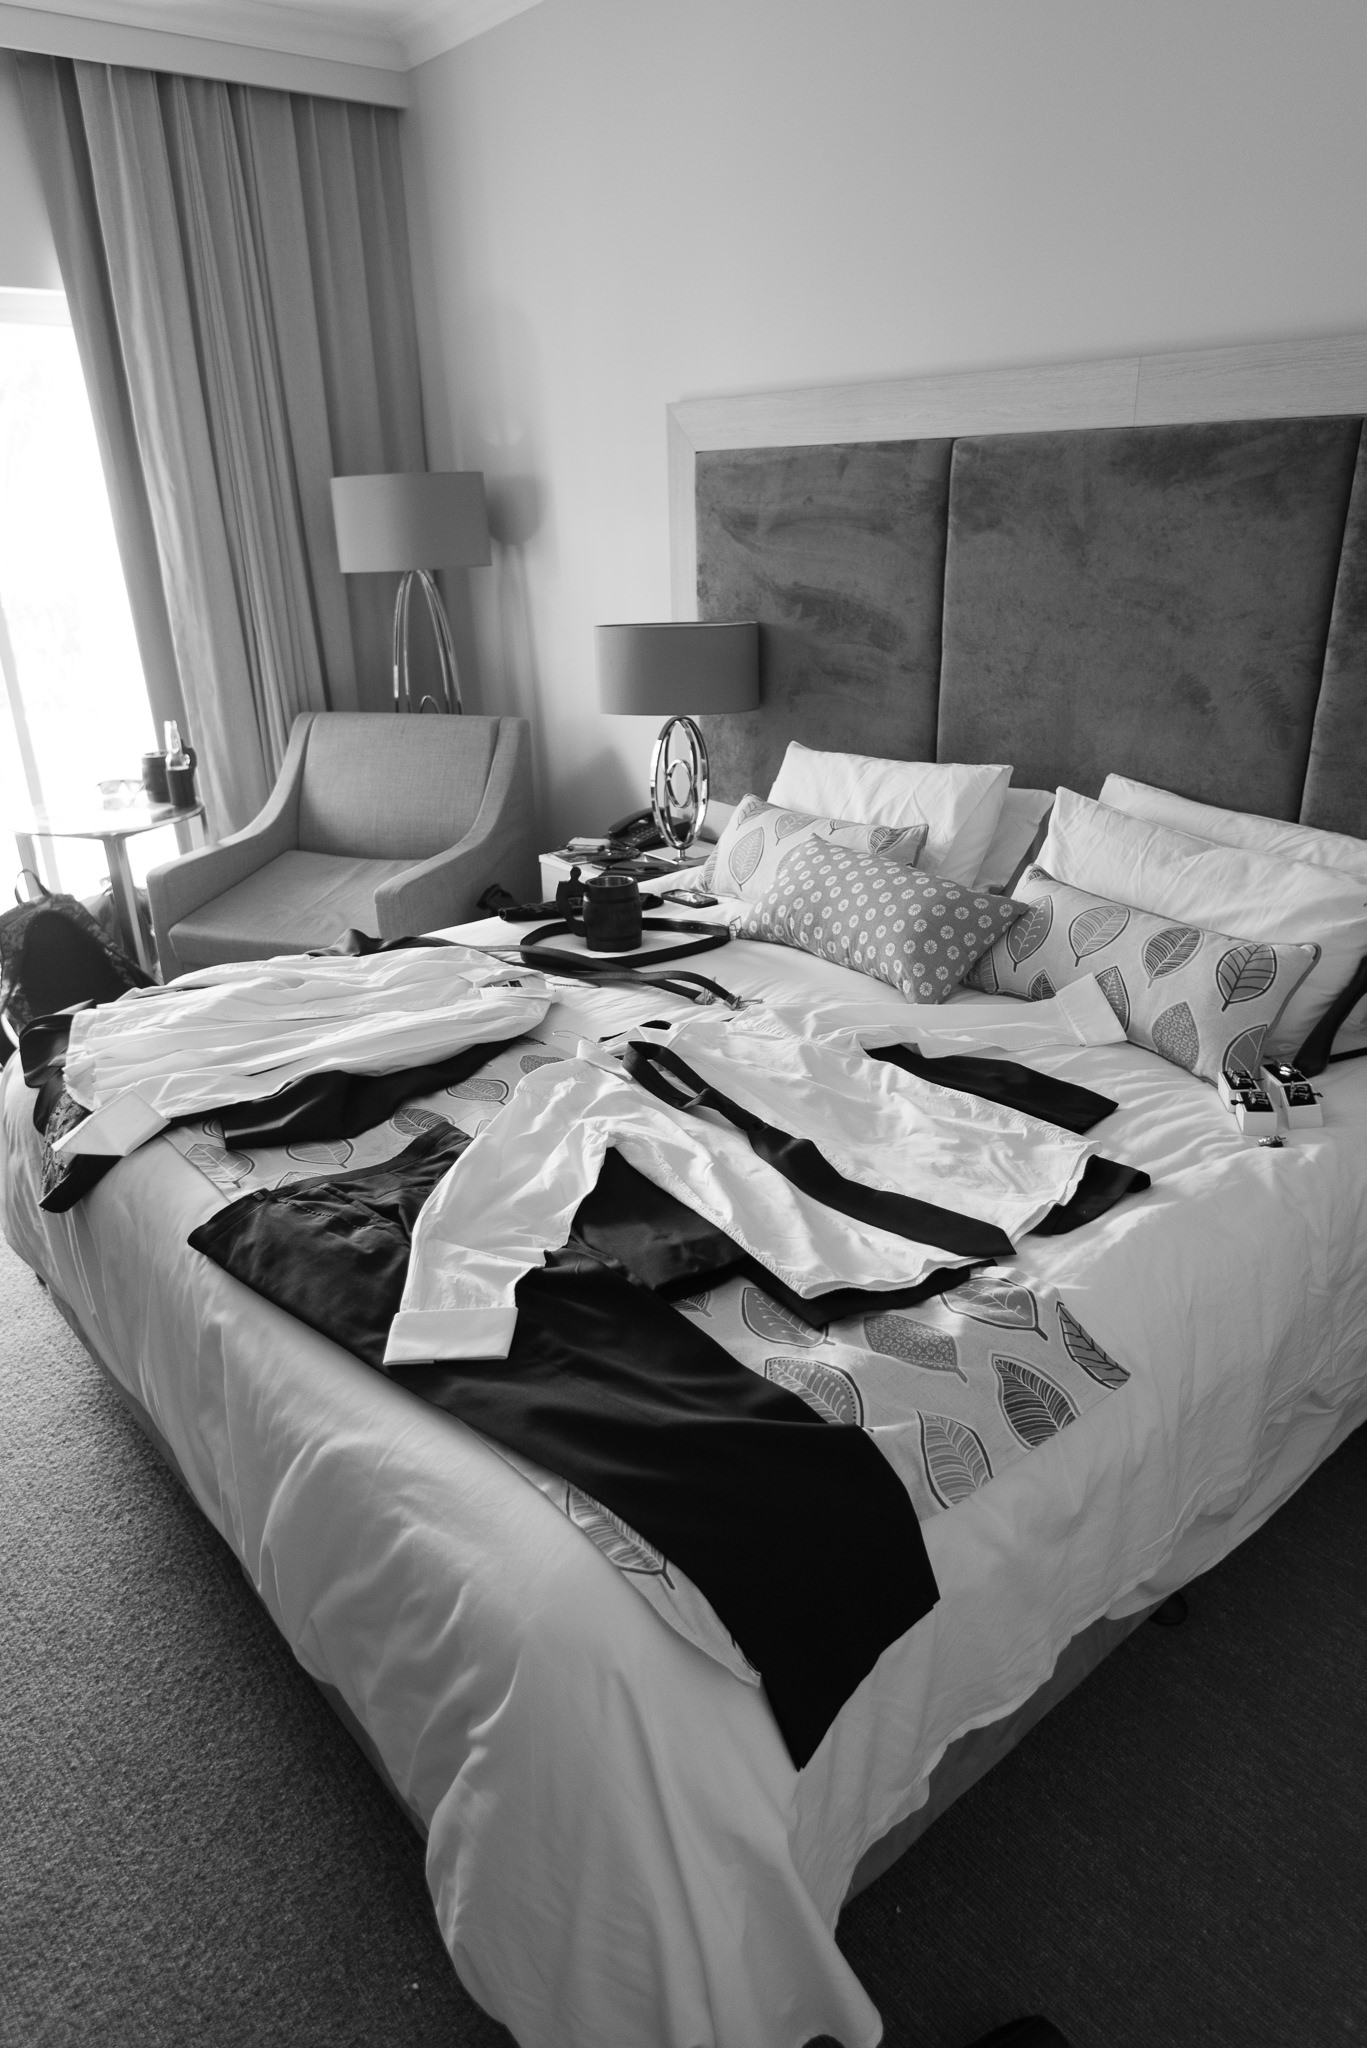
x: 609, y: 914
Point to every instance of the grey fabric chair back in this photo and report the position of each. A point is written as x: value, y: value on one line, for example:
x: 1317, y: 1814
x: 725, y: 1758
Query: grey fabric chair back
x: 392, y: 788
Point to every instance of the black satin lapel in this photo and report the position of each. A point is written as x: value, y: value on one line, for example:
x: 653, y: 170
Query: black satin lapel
x: 1006, y: 1082
x: 1104, y: 1182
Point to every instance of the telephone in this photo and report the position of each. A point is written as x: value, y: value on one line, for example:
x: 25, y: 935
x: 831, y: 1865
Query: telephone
x: 638, y: 830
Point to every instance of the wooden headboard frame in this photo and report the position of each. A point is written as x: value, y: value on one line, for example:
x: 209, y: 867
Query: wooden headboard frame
x: 1269, y: 380
x: 1221, y: 530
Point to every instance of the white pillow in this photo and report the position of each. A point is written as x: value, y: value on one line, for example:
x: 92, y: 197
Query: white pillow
x: 1237, y: 828
x: 959, y: 802
x: 1276, y: 836
x: 1022, y: 815
x: 1235, y: 889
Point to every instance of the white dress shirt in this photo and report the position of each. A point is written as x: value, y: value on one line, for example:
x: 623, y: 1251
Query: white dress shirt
x: 248, y: 1029
x: 513, y: 1193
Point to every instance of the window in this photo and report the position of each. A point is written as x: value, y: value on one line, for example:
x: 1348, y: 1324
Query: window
x: 73, y: 703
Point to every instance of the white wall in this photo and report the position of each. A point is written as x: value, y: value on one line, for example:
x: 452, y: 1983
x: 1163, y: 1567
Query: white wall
x: 28, y: 261
x: 634, y: 201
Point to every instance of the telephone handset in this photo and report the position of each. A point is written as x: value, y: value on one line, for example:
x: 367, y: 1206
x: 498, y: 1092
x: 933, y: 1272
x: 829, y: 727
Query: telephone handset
x: 638, y: 830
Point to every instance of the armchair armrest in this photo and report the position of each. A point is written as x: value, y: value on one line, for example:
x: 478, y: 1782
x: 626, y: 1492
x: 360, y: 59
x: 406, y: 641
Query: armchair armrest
x: 498, y: 847
x: 178, y: 887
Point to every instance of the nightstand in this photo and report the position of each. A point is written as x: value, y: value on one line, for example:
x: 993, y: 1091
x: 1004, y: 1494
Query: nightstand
x: 555, y: 867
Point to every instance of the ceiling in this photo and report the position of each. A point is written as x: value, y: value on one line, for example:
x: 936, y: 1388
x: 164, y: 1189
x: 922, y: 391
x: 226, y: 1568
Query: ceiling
x: 388, y: 35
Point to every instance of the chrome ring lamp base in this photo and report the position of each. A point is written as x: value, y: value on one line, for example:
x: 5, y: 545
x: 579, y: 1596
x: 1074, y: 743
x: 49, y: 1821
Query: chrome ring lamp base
x: 446, y: 653
x: 678, y: 782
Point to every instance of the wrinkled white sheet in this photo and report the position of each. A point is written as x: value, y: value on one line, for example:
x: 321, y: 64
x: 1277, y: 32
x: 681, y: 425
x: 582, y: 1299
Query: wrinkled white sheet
x: 620, y: 1851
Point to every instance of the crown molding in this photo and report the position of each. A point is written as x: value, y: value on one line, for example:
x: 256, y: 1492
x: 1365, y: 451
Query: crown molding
x: 344, y: 49
x: 237, y: 40
x: 436, y: 26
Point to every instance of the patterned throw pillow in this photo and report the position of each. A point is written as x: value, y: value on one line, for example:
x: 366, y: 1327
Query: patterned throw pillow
x: 913, y: 930
x: 749, y: 852
x: 1197, y: 998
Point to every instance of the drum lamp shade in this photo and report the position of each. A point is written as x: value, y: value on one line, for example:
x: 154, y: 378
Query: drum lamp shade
x: 683, y: 666
x: 419, y: 519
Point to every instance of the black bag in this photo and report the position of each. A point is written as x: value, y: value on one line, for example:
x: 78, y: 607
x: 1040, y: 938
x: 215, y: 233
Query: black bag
x: 53, y: 954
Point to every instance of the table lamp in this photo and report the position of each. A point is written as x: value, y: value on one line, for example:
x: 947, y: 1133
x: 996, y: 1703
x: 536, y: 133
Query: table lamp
x: 671, y: 671
x: 414, y: 521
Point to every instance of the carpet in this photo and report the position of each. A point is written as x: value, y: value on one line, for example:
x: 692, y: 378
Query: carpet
x: 193, y: 1853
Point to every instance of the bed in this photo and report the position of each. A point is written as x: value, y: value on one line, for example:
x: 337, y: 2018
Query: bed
x: 620, y: 1849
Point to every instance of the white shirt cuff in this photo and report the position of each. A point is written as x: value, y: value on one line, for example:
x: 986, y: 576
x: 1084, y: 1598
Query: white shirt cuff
x: 417, y: 1335
x: 115, y: 1130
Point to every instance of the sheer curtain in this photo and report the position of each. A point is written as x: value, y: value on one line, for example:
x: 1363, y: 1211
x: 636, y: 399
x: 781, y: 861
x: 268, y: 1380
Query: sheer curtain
x: 236, y: 261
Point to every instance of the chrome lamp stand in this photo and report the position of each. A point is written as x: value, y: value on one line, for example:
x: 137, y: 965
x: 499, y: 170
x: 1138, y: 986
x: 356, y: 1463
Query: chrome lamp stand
x: 678, y: 781
x: 446, y: 653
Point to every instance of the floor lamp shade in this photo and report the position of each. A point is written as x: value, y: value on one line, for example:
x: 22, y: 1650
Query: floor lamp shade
x: 675, y: 670
x: 421, y: 519
x: 414, y: 521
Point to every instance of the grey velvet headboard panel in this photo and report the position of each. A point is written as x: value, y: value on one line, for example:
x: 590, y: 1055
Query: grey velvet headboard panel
x: 1152, y: 597
x: 839, y: 552
x: 1336, y: 780
x: 1184, y: 603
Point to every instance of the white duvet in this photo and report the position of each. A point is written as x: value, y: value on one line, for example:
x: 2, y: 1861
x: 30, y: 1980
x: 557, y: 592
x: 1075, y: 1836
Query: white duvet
x: 620, y: 1851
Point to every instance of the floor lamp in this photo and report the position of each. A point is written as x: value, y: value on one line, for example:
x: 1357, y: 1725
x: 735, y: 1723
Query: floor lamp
x: 414, y: 521
x: 678, y: 668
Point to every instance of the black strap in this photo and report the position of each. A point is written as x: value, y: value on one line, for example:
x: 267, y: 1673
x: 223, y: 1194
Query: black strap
x: 685, y: 980
x: 799, y: 1161
x: 610, y: 972
x: 534, y: 953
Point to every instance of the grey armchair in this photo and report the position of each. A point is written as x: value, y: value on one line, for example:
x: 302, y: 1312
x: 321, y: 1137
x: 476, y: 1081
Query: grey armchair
x: 394, y: 825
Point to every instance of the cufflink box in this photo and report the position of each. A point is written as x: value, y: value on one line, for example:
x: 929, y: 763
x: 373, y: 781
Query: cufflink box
x: 1291, y: 1095
x: 1249, y: 1104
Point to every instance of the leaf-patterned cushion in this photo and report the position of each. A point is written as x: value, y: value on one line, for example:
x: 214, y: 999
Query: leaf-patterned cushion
x: 915, y: 931
x: 748, y: 854
x: 1198, y: 998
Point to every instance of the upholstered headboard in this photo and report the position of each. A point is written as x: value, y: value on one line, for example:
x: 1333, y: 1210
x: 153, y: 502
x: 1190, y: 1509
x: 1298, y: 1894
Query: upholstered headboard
x: 1182, y: 599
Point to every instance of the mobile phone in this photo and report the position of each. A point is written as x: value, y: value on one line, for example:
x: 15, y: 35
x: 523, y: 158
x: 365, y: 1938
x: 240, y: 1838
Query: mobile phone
x: 692, y: 899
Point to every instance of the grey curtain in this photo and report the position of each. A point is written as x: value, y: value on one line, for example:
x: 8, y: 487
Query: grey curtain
x: 237, y: 264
